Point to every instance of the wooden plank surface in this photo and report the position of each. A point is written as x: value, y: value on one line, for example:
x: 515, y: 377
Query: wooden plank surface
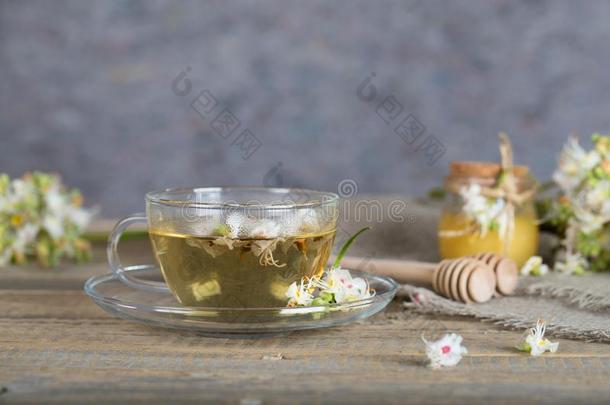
x: 56, y: 346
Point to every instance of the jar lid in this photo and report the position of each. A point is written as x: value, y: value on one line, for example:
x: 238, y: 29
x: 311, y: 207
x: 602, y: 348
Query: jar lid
x: 485, y: 174
x: 483, y: 169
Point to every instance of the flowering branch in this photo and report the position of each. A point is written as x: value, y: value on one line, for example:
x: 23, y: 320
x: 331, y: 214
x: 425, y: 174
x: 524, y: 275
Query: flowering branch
x: 580, y: 213
x: 40, y: 219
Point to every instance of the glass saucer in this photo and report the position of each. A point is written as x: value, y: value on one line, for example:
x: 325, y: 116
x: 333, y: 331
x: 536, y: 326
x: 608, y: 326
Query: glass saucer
x: 162, y: 309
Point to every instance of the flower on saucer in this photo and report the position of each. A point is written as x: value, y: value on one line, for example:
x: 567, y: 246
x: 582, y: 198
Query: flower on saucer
x: 445, y: 352
x: 299, y: 294
x: 345, y: 287
x: 534, y: 267
x: 535, y: 343
x: 338, y: 286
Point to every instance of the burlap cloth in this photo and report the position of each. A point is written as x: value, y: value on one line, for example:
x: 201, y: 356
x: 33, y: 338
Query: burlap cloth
x: 573, y: 306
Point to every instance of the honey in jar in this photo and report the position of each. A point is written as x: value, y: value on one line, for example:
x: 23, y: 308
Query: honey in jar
x: 478, y: 218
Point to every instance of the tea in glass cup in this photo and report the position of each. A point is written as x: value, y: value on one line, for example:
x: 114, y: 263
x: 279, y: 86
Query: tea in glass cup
x: 238, y: 247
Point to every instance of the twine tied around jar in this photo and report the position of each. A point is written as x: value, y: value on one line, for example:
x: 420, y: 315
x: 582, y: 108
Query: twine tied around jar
x: 505, y: 185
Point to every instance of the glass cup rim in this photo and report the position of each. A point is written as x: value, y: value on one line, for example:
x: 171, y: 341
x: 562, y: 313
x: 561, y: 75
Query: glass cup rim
x: 159, y: 197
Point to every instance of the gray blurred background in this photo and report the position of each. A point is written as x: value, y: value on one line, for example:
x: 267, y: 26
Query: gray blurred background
x: 90, y: 90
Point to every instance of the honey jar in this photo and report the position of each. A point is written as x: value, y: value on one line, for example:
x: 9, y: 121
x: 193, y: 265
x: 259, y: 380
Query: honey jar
x: 489, y: 209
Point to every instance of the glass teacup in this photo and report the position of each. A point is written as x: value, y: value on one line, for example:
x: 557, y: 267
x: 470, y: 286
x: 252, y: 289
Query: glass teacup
x: 236, y: 247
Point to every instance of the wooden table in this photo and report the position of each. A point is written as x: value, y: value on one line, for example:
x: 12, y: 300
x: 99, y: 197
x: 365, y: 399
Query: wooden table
x: 57, y: 346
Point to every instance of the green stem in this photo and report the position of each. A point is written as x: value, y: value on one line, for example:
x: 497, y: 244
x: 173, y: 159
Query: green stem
x: 346, y: 246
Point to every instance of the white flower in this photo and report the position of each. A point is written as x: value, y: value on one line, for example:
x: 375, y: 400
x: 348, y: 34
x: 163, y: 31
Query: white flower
x: 23, y: 237
x: 535, y: 343
x: 534, y: 267
x: 54, y: 225
x: 592, y: 207
x: 447, y: 351
x: 574, y: 163
x: 60, y: 209
x: 21, y: 189
x: 5, y: 203
x: 307, y: 219
x: 573, y: 263
x: 18, y: 191
x: 235, y: 221
x: 338, y: 282
x: 299, y: 294
x: 567, y: 181
x: 345, y: 287
x: 303, y: 220
x: 474, y: 201
x: 587, y: 221
x: 605, y: 211
x: 55, y: 200
x: 598, y: 195
x: 5, y: 257
x: 498, y: 213
x: 79, y: 216
x: 484, y: 211
x: 265, y: 228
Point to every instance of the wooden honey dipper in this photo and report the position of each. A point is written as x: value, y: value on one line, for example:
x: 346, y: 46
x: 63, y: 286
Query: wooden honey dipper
x: 505, y: 270
x: 466, y: 279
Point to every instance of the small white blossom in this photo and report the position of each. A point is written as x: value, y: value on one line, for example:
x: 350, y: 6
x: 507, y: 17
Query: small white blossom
x: 574, y: 162
x: 605, y: 210
x: 445, y: 352
x: 302, y: 220
x: 484, y: 211
x: 53, y: 224
x: 55, y: 200
x: 5, y: 257
x: 598, y: 195
x: 308, y: 220
x: 299, y: 294
x: 23, y: 237
x: 588, y: 222
x: 21, y: 189
x: 345, y: 287
x: 265, y: 228
x: 336, y: 287
x: 60, y: 210
x: 592, y: 206
x: 497, y: 212
x: 573, y: 263
x: 338, y: 284
x: 534, y: 267
x: 5, y: 204
x: 535, y: 343
x: 81, y: 217
x: 235, y: 221
x: 474, y: 201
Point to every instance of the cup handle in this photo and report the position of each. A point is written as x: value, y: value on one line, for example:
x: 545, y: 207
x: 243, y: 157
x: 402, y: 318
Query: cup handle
x: 115, y: 262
